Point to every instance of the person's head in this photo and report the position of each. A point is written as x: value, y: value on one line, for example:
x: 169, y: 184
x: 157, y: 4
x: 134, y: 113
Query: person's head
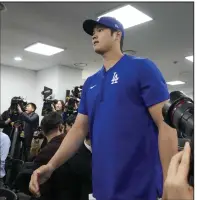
x: 107, y: 34
x: 51, y: 123
x: 30, y: 107
x: 60, y: 105
x: 69, y: 122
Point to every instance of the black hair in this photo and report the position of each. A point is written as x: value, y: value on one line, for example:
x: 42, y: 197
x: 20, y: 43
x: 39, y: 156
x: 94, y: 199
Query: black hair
x: 71, y: 120
x: 51, y: 122
x: 121, y: 41
x: 33, y: 105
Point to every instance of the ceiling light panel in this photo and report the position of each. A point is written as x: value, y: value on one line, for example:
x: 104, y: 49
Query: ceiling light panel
x: 190, y: 58
x: 43, y: 49
x: 175, y: 83
x: 18, y: 58
x: 128, y: 16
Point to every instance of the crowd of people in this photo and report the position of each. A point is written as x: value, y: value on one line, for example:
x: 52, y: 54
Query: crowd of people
x: 118, y: 145
x: 53, y: 127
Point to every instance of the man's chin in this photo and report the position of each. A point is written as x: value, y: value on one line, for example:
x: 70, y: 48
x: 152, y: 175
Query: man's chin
x: 98, y: 51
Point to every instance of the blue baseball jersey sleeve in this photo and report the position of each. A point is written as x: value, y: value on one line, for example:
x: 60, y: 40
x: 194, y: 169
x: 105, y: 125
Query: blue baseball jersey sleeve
x: 152, y: 84
x: 83, y: 105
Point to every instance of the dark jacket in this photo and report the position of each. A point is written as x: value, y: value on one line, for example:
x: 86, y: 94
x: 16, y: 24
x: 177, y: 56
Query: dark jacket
x: 81, y: 167
x: 3, y: 124
x: 31, y: 123
x: 71, y: 181
x: 7, y: 128
x: 48, y: 151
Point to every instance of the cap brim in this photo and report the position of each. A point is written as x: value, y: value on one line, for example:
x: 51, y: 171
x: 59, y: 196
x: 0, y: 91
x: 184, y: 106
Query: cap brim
x: 89, y: 25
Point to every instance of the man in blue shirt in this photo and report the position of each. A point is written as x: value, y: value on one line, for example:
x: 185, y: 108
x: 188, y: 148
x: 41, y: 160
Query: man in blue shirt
x: 121, y: 107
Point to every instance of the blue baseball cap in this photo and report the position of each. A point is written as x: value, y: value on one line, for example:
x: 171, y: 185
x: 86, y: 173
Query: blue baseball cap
x: 108, y: 22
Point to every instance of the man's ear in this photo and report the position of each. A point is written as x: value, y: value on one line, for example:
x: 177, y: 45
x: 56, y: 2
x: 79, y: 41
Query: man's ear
x: 118, y: 35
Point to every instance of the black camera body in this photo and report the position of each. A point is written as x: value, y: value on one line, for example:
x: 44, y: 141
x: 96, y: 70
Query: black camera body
x: 178, y: 113
x: 48, y: 101
x: 14, y: 107
x: 47, y: 106
x: 77, y: 91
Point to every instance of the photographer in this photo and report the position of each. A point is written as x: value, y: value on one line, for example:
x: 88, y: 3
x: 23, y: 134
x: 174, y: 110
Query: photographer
x: 176, y: 185
x: 31, y: 123
x: 5, y: 122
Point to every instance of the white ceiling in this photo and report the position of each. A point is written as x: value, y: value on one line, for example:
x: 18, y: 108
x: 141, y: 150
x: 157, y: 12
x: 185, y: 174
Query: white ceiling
x: 168, y: 38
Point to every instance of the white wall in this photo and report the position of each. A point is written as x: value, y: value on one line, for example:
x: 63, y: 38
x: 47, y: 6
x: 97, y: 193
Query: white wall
x: 68, y: 78
x: 16, y: 82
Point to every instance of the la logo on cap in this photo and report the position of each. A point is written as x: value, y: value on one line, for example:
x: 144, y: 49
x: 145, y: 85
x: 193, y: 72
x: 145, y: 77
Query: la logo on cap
x: 116, y: 26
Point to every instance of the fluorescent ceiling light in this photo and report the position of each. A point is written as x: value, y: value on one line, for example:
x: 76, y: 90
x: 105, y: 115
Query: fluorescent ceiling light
x: 190, y: 58
x: 18, y: 58
x: 175, y: 83
x: 43, y: 49
x: 128, y: 16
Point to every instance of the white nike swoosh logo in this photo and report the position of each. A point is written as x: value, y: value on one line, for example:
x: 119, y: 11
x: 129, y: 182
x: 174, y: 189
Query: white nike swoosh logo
x: 92, y: 86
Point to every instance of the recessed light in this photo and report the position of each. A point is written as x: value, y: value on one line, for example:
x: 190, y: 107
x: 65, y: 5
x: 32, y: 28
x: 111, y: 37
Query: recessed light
x: 128, y: 16
x: 43, y: 49
x: 18, y: 58
x: 175, y: 83
x: 80, y: 65
x: 190, y: 58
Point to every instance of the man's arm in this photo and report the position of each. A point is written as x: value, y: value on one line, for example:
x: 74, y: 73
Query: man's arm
x: 71, y: 142
x: 30, y: 119
x: 168, y: 141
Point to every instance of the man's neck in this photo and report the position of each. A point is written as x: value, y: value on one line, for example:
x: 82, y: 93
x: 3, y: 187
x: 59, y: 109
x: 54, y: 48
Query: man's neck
x: 52, y: 135
x: 111, y: 58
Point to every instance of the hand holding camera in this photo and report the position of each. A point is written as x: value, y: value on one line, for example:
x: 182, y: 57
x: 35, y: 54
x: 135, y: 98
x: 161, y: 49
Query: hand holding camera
x: 176, y: 185
x: 19, y: 109
x: 8, y: 121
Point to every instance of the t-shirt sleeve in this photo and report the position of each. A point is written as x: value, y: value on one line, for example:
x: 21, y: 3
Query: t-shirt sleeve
x: 83, y: 102
x: 153, y: 88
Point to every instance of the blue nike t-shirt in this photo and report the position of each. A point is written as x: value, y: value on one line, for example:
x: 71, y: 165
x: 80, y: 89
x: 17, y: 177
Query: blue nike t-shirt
x: 125, y: 156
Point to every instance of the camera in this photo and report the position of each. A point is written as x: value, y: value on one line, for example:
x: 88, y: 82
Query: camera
x: 77, y: 91
x: 178, y: 113
x: 47, y: 106
x: 14, y: 107
x: 48, y: 101
x: 71, y: 106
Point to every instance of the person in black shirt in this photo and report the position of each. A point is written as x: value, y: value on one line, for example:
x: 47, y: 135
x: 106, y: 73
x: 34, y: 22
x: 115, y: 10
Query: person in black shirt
x: 50, y: 126
x: 31, y: 123
x: 5, y: 122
